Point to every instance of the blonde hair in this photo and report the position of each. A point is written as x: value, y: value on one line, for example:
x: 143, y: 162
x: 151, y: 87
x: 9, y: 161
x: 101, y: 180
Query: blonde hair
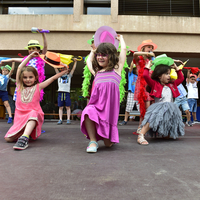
x: 27, y: 69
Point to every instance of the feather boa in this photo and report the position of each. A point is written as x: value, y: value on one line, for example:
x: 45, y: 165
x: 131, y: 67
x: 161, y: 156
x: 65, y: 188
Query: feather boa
x: 86, y: 80
x: 87, y: 77
x: 40, y: 69
x: 142, y: 97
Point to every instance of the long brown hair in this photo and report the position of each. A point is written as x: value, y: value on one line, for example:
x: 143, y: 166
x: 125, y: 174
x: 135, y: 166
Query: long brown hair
x: 27, y: 69
x: 113, y: 57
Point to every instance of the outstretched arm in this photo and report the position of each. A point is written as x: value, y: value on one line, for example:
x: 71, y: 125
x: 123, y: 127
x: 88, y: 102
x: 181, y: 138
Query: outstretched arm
x: 53, y: 78
x: 11, y: 60
x: 141, y: 53
x: 11, y: 71
x: 74, y: 66
x: 89, y: 61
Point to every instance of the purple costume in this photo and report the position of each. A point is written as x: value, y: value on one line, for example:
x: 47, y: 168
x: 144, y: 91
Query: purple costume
x: 103, y: 107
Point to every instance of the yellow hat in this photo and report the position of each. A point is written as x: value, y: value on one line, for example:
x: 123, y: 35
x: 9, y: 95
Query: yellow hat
x: 33, y: 43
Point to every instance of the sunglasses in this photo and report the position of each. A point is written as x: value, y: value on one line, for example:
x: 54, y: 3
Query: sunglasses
x: 101, y: 55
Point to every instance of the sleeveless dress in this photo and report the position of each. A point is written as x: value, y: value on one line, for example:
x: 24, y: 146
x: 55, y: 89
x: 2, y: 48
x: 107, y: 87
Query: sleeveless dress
x: 27, y: 108
x: 103, y: 107
x: 164, y: 117
x: 38, y: 64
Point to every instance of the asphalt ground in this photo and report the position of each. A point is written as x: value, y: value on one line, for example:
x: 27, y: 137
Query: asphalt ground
x: 57, y: 167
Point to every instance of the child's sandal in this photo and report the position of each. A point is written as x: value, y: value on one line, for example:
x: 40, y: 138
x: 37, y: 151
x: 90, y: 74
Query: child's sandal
x: 92, y: 149
x: 141, y: 139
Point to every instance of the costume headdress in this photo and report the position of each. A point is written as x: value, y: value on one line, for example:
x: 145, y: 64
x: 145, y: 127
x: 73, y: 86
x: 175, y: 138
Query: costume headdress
x: 106, y: 34
x: 7, y: 67
x: 33, y: 43
x: 145, y: 43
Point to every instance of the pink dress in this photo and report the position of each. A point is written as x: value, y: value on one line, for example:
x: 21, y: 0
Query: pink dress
x: 103, y: 107
x: 27, y: 108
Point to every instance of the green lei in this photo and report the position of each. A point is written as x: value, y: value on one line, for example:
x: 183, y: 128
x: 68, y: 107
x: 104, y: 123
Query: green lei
x: 87, y: 77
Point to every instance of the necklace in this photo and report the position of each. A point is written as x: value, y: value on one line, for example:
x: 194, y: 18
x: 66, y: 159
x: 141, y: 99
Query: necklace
x: 27, y: 94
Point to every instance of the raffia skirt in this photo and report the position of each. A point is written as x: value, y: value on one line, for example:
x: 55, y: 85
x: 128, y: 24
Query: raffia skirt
x: 164, y: 119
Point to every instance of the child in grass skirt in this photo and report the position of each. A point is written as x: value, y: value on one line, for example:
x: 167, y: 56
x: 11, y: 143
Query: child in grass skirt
x: 162, y: 117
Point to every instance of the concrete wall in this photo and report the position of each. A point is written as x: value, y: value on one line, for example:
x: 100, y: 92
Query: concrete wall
x: 171, y: 34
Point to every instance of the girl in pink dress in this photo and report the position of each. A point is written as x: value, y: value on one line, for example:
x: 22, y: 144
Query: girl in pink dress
x: 140, y: 58
x: 29, y: 116
x: 99, y: 118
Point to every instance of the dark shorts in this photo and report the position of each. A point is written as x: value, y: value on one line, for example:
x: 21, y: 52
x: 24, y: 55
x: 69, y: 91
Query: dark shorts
x: 4, y: 95
x: 64, y: 99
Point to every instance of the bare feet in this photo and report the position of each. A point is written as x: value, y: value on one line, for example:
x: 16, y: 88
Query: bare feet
x: 107, y: 142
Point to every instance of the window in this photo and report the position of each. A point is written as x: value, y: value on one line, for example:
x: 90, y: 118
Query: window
x: 159, y: 7
x: 40, y: 10
x: 96, y: 7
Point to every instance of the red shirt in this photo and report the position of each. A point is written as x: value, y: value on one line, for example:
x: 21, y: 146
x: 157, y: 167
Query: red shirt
x: 156, y: 87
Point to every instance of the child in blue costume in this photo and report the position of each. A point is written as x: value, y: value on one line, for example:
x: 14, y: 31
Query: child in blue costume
x: 4, y: 78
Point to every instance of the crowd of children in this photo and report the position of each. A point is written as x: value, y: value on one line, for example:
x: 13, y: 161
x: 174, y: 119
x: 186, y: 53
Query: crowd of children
x: 150, y: 86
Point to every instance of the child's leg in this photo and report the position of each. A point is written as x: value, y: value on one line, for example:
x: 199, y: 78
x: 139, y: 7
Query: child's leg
x: 194, y: 116
x: 60, y: 113
x: 147, y: 104
x: 143, y: 131
x: 29, y: 128
x: 126, y: 116
x: 187, y: 112
x: 68, y: 112
x: 7, y: 105
x: 91, y: 129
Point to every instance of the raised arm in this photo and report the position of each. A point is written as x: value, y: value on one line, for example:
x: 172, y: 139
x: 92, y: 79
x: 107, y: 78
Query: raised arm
x: 146, y: 76
x: 53, y: 78
x: 74, y: 66
x: 44, y: 50
x: 122, y: 55
x: 188, y: 76
x: 131, y: 67
x: 23, y: 64
x: 89, y: 61
x: 180, y: 78
x: 198, y: 78
x: 11, y: 71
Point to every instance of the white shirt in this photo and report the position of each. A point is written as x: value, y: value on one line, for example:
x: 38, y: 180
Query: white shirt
x: 192, y: 90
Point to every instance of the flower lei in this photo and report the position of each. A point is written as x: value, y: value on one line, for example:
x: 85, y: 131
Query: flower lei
x: 40, y: 69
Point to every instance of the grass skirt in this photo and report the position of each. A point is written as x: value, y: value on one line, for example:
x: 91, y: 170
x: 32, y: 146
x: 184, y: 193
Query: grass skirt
x: 165, y: 119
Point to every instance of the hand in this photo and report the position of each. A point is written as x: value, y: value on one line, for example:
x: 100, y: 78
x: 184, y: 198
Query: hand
x: 174, y: 66
x: 35, y: 54
x: 148, y: 65
x: 1, y: 63
x: 39, y: 29
x: 179, y: 61
x: 118, y: 37
x: 75, y: 59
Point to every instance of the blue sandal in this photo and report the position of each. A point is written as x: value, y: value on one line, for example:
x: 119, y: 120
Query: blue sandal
x: 92, y: 149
